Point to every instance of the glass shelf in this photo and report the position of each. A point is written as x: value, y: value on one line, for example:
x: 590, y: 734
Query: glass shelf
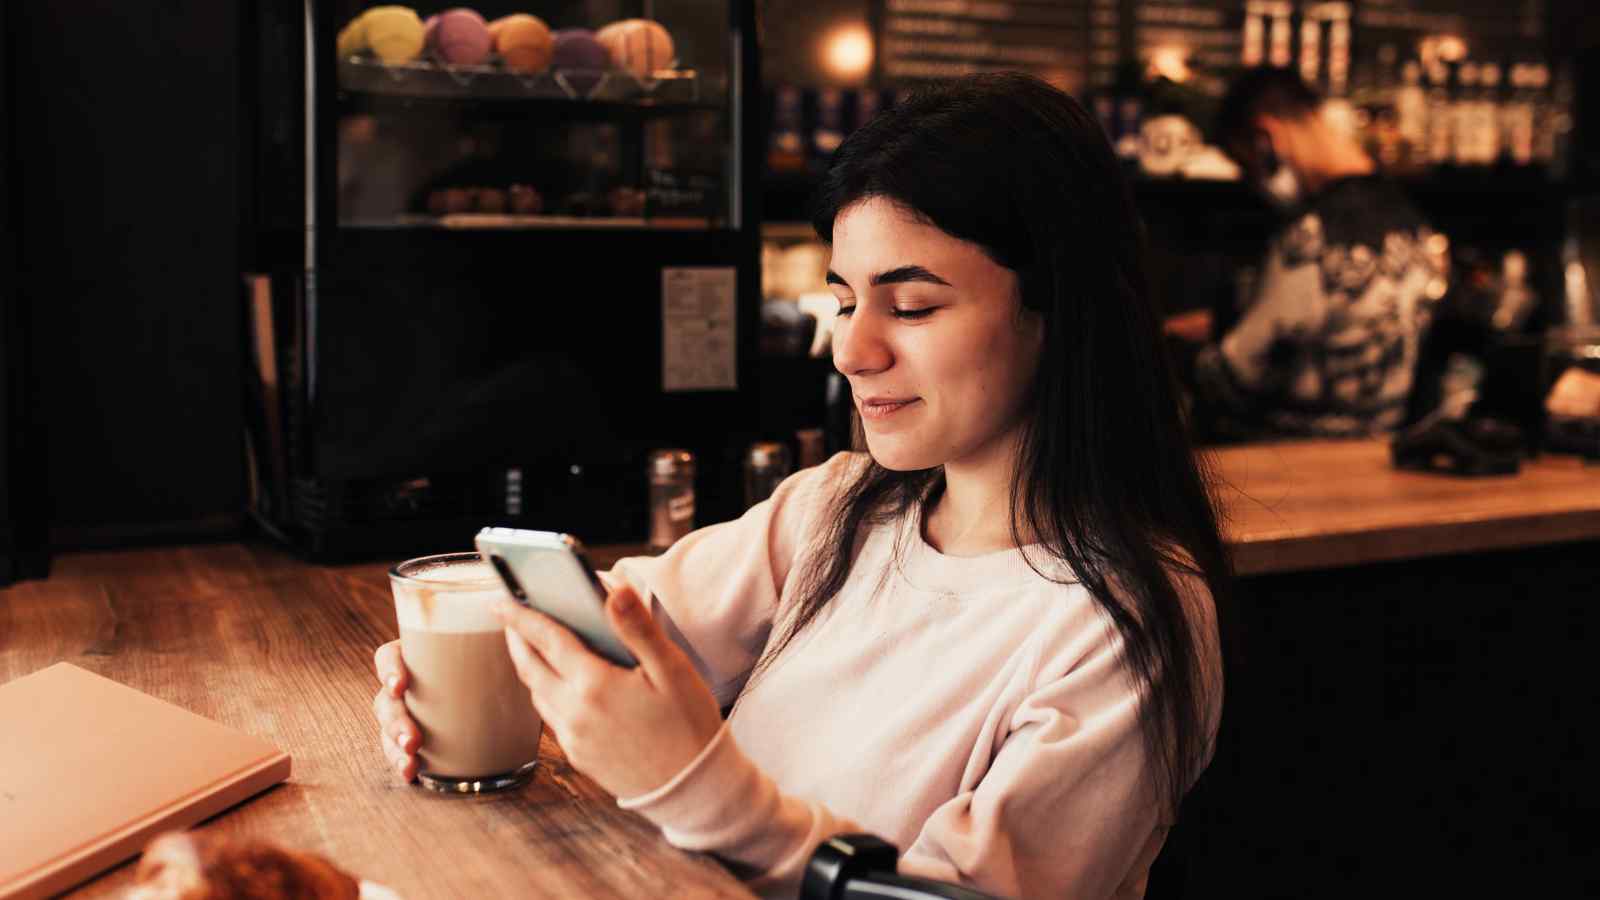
x: 512, y: 221
x: 423, y: 80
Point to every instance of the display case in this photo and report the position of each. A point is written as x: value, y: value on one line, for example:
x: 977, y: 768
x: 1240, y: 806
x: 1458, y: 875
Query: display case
x: 496, y: 257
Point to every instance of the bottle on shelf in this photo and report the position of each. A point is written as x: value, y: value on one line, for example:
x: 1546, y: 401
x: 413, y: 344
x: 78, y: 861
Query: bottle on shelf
x: 1411, y: 116
x: 829, y: 131
x: 1517, y: 117
x: 1464, y: 135
x: 1562, y: 93
x: 1487, y: 123
x: 1338, y: 14
x: 1440, y: 119
x: 1544, y: 114
x: 786, y: 149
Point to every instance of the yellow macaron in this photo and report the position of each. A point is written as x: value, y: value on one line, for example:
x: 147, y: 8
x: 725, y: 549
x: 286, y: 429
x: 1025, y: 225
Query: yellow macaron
x: 392, y: 33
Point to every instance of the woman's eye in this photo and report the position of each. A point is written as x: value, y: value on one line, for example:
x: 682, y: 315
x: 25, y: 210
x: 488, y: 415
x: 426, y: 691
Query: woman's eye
x: 914, y: 313
x: 846, y: 310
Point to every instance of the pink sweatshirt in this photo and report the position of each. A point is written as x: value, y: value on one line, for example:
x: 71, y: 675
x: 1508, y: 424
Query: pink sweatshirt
x: 965, y: 709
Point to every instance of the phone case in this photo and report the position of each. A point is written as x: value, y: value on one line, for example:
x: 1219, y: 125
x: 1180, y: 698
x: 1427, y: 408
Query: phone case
x: 549, y: 572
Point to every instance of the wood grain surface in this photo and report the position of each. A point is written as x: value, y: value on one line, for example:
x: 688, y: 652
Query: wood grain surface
x: 252, y: 637
x: 257, y: 640
x: 1321, y: 504
x: 1298, y: 506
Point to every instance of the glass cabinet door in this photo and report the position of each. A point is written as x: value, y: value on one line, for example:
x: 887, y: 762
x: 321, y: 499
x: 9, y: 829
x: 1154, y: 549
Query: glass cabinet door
x: 583, y: 114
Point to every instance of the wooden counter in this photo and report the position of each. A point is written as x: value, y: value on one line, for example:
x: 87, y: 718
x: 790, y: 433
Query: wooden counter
x: 1304, y: 505
x: 1307, y: 505
x: 262, y: 642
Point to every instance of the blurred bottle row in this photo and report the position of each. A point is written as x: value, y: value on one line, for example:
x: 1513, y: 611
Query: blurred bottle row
x: 1422, y: 113
x: 808, y: 124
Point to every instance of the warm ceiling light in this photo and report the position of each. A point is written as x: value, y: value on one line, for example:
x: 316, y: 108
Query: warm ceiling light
x: 1170, y: 62
x: 847, y: 52
x: 1452, y: 48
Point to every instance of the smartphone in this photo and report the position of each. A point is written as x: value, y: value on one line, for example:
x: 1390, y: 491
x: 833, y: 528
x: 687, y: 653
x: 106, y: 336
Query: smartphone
x: 549, y: 572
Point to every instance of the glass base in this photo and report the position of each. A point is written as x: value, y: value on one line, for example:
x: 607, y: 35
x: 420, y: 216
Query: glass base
x: 480, y: 784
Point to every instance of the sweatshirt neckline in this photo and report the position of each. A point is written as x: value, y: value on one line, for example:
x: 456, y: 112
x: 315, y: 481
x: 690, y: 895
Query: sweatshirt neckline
x: 924, y: 567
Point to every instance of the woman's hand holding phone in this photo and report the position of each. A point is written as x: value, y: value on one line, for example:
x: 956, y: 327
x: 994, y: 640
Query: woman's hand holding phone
x: 631, y: 730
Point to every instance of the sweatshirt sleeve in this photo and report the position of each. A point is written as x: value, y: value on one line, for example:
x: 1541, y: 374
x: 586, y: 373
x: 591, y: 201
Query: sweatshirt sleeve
x: 1060, y: 810
x: 717, y: 589
x: 721, y: 803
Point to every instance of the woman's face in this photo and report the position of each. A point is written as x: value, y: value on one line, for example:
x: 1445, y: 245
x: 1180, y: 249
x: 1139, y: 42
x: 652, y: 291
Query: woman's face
x: 932, y: 337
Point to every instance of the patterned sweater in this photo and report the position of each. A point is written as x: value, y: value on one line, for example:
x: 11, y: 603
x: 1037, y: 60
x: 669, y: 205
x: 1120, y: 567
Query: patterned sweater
x: 1329, y: 344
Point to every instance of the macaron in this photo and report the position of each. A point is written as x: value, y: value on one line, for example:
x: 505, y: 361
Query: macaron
x: 392, y: 33
x: 352, y: 40
x: 459, y: 37
x: 641, y: 46
x: 577, y: 51
x: 523, y: 42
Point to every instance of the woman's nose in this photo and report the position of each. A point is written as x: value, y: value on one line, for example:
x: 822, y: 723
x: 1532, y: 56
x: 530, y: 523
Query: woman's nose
x: 859, y: 346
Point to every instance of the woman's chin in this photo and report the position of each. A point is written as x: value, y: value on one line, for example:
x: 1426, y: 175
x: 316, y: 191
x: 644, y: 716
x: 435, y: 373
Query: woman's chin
x: 897, y: 457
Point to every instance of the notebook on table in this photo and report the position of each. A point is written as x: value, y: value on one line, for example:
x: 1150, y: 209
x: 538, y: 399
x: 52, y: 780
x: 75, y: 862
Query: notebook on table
x: 91, y: 770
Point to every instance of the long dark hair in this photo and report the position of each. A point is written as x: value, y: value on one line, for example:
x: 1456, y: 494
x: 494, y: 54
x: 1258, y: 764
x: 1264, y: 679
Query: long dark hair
x: 1107, y: 480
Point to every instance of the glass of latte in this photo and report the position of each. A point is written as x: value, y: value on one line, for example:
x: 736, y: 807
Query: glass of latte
x: 480, y: 731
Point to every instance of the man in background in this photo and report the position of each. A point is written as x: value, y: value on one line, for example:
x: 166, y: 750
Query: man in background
x: 1327, y: 342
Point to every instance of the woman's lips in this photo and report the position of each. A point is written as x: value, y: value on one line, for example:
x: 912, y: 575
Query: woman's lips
x: 883, y: 409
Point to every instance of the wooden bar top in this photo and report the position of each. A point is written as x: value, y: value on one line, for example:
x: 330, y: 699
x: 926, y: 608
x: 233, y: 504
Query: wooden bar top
x: 1297, y: 506
x: 249, y: 636
x: 1318, y: 504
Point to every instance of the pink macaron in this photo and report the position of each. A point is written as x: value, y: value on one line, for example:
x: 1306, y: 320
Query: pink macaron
x: 458, y: 36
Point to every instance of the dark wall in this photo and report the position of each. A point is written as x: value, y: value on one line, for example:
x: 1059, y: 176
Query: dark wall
x: 125, y: 173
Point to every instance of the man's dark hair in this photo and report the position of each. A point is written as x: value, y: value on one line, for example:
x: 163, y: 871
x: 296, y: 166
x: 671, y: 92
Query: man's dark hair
x: 1262, y: 91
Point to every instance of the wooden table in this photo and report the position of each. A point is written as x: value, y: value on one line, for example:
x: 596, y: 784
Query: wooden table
x: 1298, y: 506
x: 257, y: 640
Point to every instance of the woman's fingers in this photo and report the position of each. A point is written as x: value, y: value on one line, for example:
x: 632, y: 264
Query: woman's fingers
x: 395, y: 722
x: 532, y: 669
x: 403, y: 764
x: 660, y: 658
x: 397, y: 732
x: 559, y: 649
x: 391, y: 668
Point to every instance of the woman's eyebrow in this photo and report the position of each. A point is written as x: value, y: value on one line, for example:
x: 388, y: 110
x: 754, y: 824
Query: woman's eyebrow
x: 894, y: 276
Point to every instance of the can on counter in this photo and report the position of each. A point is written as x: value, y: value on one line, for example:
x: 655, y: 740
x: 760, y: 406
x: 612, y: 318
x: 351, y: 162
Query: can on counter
x: 671, y: 496
x: 766, y: 464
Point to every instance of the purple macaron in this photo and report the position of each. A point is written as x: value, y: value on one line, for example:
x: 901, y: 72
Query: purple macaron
x: 580, y: 56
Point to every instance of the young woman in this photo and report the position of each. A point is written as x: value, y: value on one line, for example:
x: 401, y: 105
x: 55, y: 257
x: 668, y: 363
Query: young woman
x: 990, y: 638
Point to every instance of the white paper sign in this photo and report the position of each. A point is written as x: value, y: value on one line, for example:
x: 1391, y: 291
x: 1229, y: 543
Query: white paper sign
x: 699, y: 329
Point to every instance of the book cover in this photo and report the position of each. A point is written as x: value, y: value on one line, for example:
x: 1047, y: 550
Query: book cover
x: 91, y: 770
